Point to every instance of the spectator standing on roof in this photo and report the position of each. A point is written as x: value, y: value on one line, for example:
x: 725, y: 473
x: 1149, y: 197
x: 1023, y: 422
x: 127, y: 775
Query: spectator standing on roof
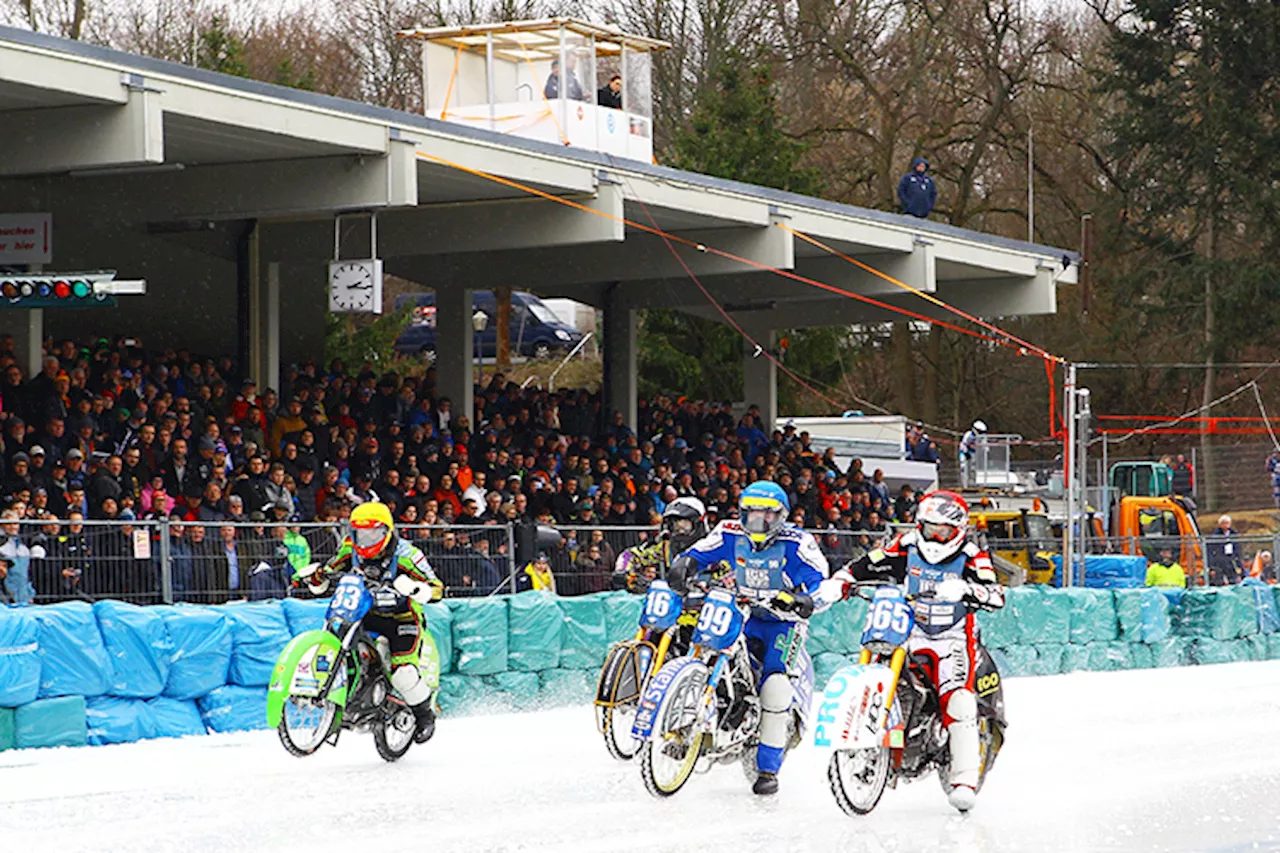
x: 1184, y: 476
x: 916, y: 190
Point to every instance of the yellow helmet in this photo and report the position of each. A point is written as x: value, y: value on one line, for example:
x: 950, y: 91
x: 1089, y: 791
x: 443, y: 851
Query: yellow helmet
x: 371, y: 529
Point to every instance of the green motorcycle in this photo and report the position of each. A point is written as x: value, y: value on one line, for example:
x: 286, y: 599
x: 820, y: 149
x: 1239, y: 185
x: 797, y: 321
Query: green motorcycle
x: 336, y: 678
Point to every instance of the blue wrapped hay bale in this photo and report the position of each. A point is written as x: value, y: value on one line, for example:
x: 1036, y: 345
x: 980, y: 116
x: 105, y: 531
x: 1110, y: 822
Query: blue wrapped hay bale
x: 1141, y: 656
x: 234, y: 708
x: 1273, y: 647
x: 259, y: 634
x: 1108, y: 657
x: 566, y: 687
x: 1143, y: 615
x: 139, y: 647
x: 533, y: 635
x: 1048, y: 659
x: 1216, y: 614
x: 1018, y: 661
x: 51, y: 722
x: 113, y: 719
x: 479, y: 635
x: 202, y: 645
x: 1205, y: 651
x: 515, y: 690
x: 825, y: 665
x: 440, y: 626
x: 303, y: 614
x: 19, y: 657
x: 999, y: 627
x: 176, y: 717
x: 462, y: 694
x: 622, y: 615
x: 1074, y: 658
x: 1172, y: 651
x: 1092, y: 615
x: 1264, y: 604
x: 838, y: 629
x: 8, y: 738
x: 73, y: 661
x: 582, y: 641
x: 1254, y: 647
x: 1043, y: 615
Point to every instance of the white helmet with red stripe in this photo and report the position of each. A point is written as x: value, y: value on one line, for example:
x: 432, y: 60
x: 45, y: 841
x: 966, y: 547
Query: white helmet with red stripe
x: 942, y: 522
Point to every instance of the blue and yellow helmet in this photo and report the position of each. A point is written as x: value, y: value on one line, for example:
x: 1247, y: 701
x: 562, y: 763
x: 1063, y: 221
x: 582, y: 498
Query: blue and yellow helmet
x: 763, y: 508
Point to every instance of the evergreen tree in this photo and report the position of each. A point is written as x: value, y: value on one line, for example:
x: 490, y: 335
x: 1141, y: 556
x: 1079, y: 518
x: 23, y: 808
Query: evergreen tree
x: 734, y: 132
x: 222, y: 49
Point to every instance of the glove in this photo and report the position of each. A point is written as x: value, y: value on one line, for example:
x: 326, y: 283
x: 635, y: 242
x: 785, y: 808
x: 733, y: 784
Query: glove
x: 790, y: 601
x: 38, y: 552
x: 951, y: 589
x: 306, y: 571
x: 419, y: 591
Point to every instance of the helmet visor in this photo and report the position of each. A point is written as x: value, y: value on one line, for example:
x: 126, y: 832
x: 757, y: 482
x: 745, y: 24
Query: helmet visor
x: 937, y: 532
x: 369, y: 538
x: 760, y: 520
x: 680, y: 526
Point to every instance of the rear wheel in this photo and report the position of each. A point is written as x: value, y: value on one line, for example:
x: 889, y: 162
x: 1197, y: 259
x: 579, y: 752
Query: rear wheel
x: 541, y: 350
x: 394, y: 735
x: 616, y: 724
x: 858, y: 777
x: 305, y: 724
x: 668, y: 759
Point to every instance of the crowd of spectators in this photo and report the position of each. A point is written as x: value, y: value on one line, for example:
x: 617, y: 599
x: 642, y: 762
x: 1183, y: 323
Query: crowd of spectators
x: 118, y: 434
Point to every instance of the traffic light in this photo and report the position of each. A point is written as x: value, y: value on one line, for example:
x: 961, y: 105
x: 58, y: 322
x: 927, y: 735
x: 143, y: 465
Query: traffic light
x: 67, y: 290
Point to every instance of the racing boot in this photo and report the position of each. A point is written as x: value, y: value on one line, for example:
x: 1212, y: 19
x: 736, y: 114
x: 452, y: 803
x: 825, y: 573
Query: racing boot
x: 417, y: 695
x: 966, y: 759
x: 426, y: 717
x: 766, y: 784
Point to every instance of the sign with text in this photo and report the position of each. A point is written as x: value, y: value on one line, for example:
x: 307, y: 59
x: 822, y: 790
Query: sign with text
x: 26, y: 238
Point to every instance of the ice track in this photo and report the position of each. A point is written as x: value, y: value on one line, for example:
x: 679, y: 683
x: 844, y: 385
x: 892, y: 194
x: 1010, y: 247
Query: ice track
x: 1153, y: 760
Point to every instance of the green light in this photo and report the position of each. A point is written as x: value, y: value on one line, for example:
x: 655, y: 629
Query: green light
x: 81, y: 289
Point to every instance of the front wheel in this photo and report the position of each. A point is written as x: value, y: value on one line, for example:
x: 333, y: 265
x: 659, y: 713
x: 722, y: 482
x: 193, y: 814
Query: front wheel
x: 858, y: 777
x: 668, y: 758
x: 616, y: 723
x: 394, y: 735
x: 305, y: 724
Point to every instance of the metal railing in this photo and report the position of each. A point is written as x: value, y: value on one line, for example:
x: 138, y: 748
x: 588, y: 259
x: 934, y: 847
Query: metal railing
x: 166, y: 561
x: 1207, y: 560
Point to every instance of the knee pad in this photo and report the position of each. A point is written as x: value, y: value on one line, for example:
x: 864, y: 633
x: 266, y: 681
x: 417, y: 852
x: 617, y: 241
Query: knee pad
x: 775, y: 693
x: 961, y: 706
x: 409, y: 683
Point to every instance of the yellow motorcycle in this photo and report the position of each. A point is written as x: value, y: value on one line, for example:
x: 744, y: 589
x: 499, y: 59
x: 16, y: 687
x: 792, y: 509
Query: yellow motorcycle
x: 631, y: 663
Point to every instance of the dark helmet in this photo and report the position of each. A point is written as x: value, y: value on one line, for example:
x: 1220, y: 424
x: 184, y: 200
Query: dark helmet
x: 685, y: 522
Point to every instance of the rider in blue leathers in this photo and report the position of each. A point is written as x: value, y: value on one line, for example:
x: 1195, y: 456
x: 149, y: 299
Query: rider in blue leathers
x: 766, y: 555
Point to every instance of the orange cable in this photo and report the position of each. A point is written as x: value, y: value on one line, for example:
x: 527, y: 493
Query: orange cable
x: 724, y: 254
x: 453, y: 76
x: 922, y: 294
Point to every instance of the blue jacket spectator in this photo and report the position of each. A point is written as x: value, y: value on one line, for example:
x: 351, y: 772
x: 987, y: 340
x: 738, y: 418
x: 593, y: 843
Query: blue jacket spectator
x: 916, y: 190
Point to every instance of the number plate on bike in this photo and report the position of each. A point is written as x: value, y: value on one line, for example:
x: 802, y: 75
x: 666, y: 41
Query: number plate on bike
x: 888, y: 619
x: 661, y: 607
x: 351, y: 600
x: 719, y: 622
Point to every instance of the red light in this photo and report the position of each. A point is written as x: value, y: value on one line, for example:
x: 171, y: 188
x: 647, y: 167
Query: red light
x: 10, y: 290
x: 62, y: 289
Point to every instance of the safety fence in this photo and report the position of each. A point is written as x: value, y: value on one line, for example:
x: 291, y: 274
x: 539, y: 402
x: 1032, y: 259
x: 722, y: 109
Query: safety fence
x: 73, y: 673
x: 213, y: 562
x: 1205, y: 560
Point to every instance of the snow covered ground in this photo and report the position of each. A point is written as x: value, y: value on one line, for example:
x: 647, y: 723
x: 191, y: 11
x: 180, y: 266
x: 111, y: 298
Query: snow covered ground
x: 1185, y: 759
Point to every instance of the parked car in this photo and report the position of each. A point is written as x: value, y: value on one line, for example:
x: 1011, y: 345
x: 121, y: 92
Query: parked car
x: 535, y: 330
